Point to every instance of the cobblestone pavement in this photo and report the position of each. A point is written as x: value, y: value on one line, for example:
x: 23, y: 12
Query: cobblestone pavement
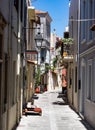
x: 55, y: 115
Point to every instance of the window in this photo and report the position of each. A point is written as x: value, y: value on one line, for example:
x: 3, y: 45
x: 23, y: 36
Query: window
x: 0, y: 47
x: 2, y: 92
x: 48, y: 30
x: 72, y: 26
x: 93, y: 91
x: 1, y: 60
x: 83, y: 23
x: 13, y: 87
x: 75, y: 79
x: 21, y: 13
x: 5, y: 80
x: 70, y: 78
x: 43, y: 55
x: 90, y: 17
x: 29, y: 36
x: 89, y: 80
x: 94, y: 8
x: 83, y: 81
x: 5, y: 83
x: 0, y: 76
x: 42, y: 28
x: 89, y: 85
x: 14, y: 83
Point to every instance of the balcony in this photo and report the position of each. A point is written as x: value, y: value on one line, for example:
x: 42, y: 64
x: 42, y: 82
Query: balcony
x: 46, y: 44
x: 65, y: 48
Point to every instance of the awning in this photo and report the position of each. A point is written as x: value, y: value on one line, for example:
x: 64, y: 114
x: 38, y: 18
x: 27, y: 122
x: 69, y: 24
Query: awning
x: 32, y: 62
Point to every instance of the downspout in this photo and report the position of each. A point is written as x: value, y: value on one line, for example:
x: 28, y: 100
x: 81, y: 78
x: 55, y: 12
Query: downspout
x: 78, y: 63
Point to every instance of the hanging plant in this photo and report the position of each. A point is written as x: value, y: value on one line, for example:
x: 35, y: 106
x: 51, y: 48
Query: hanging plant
x: 67, y: 41
x: 49, y: 67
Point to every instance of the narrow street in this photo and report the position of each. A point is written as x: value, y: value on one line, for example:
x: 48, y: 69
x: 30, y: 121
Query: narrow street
x: 55, y: 115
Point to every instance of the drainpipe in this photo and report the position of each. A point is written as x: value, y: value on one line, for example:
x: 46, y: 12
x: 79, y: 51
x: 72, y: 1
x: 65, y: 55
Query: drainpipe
x: 78, y: 62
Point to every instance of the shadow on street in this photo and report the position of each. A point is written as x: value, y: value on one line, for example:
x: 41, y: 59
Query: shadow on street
x: 59, y: 103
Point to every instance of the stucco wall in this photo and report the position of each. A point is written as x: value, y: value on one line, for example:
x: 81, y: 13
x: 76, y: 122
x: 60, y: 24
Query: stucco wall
x: 4, y: 121
x: 12, y: 117
x: 89, y: 110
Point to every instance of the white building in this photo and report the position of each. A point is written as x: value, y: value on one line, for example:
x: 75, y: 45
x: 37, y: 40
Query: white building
x: 45, y: 29
x: 82, y: 17
x: 11, y: 62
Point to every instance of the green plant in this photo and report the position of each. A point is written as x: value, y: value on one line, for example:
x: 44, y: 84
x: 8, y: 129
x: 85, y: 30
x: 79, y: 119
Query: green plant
x: 55, y: 61
x: 37, y: 76
x: 67, y: 40
x: 47, y: 67
x: 52, y: 68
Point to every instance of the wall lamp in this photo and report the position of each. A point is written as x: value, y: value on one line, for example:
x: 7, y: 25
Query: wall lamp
x: 38, y: 37
x: 31, y: 28
x: 38, y: 40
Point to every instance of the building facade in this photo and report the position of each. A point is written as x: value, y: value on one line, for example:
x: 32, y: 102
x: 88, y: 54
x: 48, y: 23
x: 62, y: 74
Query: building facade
x: 31, y: 52
x: 85, y: 58
x: 45, y: 29
x: 11, y: 62
x: 73, y: 67
x: 87, y: 61
x: 52, y: 75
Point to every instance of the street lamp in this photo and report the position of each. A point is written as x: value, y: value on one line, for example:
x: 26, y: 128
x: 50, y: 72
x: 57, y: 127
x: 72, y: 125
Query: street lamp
x: 39, y: 44
x: 38, y: 40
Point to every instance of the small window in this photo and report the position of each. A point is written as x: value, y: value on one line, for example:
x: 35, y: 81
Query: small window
x: 1, y: 46
x: 0, y: 61
x: 76, y: 79
x: 14, y: 83
x: 89, y: 80
x: 0, y: 81
x: 5, y: 80
x: 84, y: 23
x: 90, y: 17
x: 21, y: 10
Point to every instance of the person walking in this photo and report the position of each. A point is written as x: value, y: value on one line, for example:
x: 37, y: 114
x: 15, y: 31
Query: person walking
x: 64, y: 85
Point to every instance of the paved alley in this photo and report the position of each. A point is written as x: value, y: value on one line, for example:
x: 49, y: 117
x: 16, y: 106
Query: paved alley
x: 55, y: 115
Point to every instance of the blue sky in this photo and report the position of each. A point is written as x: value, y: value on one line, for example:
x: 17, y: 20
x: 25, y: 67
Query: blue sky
x: 58, y: 10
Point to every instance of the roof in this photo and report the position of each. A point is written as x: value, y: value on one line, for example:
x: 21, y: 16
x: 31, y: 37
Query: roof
x: 46, y: 14
x: 40, y: 12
